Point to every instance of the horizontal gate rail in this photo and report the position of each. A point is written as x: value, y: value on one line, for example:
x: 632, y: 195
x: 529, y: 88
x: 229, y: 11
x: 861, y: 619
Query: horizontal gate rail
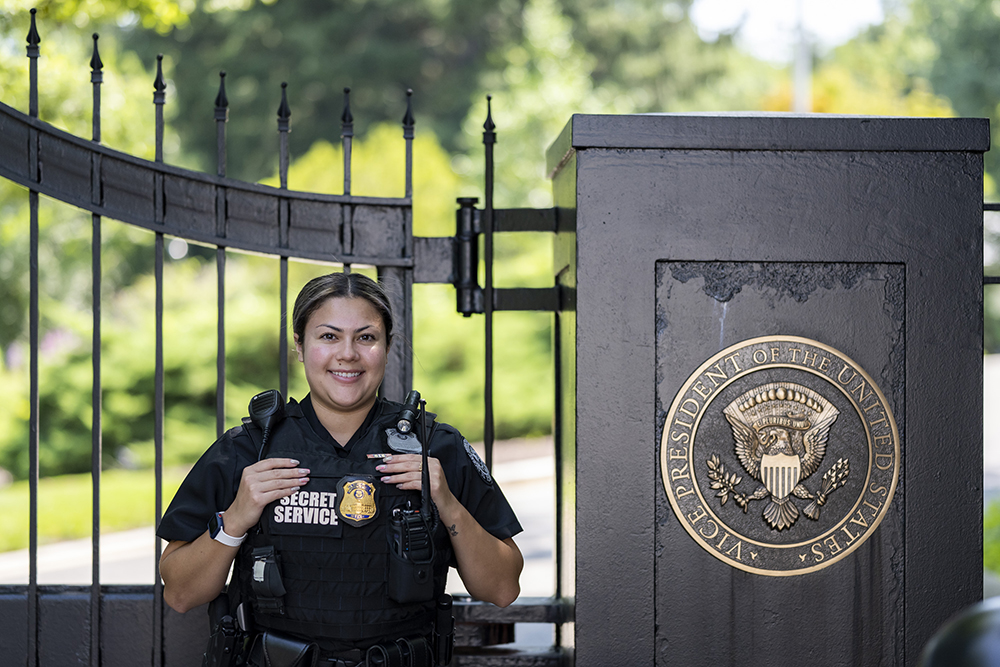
x: 128, y: 636
x: 183, y: 203
x: 991, y: 206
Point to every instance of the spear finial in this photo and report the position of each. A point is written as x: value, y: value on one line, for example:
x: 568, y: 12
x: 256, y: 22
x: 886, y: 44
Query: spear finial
x: 95, y: 60
x: 284, y: 112
x: 489, y: 135
x: 33, y: 39
x: 221, y: 101
x: 346, y: 119
x: 159, y: 86
x: 408, y: 118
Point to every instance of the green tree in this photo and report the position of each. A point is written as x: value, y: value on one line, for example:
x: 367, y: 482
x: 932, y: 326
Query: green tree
x: 961, y: 59
x: 378, y: 48
x: 649, y: 53
x: 159, y: 15
x: 880, y: 72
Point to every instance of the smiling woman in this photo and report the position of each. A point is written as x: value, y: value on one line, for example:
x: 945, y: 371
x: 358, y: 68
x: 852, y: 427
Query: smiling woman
x: 332, y: 548
x: 342, y: 325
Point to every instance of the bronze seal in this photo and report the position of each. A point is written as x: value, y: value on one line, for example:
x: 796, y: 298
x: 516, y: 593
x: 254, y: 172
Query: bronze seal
x: 780, y: 455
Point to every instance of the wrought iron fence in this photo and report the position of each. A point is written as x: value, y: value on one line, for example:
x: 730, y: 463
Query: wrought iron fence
x: 129, y: 625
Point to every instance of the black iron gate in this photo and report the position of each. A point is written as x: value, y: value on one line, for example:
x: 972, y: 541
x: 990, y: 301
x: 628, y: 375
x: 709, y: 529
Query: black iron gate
x: 129, y: 625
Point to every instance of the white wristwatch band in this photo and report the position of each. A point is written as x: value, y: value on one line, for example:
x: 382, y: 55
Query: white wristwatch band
x: 225, y: 538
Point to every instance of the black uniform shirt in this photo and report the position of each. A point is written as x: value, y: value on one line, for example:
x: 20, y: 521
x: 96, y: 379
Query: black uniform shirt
x: 212, y: 483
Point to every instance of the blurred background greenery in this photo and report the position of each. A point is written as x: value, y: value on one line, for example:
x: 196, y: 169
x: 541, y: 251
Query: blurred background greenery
x: 542, y: 60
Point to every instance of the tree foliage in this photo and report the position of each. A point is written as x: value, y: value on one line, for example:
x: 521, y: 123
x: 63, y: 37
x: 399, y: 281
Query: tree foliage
x: 961, y: 59
x: 158, y: 15
x: 880, y: 72
x: 378, y: 48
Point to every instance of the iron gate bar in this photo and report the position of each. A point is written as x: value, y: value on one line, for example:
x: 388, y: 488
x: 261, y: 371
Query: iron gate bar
x: 346, y: 136
x: 991, y: 280
x: 33, y: 419
x: 525, y: 220
x: 96, y: 78
x: 489, y: 138
x: 527, y: 298
x: 159, y: 99
x: 284, y: 127
x: 221, y: 118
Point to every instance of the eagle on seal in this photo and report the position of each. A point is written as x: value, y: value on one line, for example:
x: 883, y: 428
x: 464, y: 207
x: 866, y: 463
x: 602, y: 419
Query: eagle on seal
x: 780, y: 431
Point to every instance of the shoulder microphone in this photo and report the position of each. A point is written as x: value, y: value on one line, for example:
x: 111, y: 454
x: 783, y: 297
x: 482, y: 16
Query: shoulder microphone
x: 266, y: 410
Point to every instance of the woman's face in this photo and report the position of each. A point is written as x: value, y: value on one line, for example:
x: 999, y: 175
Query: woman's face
x: 344, y: 351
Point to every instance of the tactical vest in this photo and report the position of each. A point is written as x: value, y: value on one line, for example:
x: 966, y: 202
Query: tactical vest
x: 331, y: 544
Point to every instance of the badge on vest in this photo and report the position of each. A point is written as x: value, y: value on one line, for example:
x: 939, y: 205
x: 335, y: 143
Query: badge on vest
x: 357, y: 505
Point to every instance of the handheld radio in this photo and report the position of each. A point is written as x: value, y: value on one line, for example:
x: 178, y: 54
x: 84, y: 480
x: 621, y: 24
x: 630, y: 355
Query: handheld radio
x: 411, y: 544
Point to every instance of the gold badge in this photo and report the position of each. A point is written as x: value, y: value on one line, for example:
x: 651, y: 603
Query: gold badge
x: 357, y: 504
x: 800, y: 440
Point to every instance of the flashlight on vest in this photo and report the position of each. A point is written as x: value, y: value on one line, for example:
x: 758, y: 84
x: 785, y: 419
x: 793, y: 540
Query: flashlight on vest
x: 408, y: 415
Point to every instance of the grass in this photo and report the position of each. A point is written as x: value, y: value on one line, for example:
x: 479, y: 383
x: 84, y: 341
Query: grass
x: 65, y: 506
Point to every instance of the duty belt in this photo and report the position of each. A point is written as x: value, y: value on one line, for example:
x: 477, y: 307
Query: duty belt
x: 273, y: 649
x: 404, y: 652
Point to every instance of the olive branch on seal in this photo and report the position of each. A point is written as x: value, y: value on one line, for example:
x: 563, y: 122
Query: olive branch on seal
x: 724, y: 483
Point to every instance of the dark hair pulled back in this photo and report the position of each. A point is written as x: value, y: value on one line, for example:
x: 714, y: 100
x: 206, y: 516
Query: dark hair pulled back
x: 344, y: 285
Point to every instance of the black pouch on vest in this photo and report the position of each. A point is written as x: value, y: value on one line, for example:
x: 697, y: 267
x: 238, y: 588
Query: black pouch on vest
x: 411, y: 558
x: 266, y: 582
x: 271, y: 649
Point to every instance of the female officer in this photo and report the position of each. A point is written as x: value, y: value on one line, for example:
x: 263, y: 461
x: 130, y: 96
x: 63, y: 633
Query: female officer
x: 306, y: 517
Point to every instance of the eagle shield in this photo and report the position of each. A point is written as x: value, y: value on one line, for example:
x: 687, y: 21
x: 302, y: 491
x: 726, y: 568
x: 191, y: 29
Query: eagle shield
x: 780, y: 431
x: 780, y: 473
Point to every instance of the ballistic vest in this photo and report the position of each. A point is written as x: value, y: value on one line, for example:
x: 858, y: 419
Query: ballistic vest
x: 330, y: 542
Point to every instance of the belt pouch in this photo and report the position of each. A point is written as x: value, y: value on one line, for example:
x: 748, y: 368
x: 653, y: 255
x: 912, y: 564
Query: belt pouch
x: 384, y: 655
x: 271, y: 649
x: 416, y: 652
x: 411, y: 558
x: 409, y: 581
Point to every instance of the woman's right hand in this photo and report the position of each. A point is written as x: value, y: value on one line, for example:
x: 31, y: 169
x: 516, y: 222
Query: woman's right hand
x: 262, y: 483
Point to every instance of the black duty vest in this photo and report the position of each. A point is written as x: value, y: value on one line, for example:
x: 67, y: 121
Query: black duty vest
x: 332, y: 544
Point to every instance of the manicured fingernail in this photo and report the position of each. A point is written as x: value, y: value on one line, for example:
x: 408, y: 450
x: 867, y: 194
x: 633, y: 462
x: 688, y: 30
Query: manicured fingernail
x: 384, y: 479
x: 304, y: 480
x: 295, y: 462
x: 380, y: 468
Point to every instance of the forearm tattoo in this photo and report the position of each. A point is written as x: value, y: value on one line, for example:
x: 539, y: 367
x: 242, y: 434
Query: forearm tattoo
x: 452, y: 530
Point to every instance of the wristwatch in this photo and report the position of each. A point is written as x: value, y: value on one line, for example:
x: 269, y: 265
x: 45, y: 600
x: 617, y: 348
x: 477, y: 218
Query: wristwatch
x: 217, y: 532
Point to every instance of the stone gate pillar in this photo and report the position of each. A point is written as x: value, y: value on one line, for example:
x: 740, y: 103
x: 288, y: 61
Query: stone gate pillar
x: 770, y: 388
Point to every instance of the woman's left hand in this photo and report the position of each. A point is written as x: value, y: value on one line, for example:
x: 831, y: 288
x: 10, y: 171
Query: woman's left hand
x: 405, y: 471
